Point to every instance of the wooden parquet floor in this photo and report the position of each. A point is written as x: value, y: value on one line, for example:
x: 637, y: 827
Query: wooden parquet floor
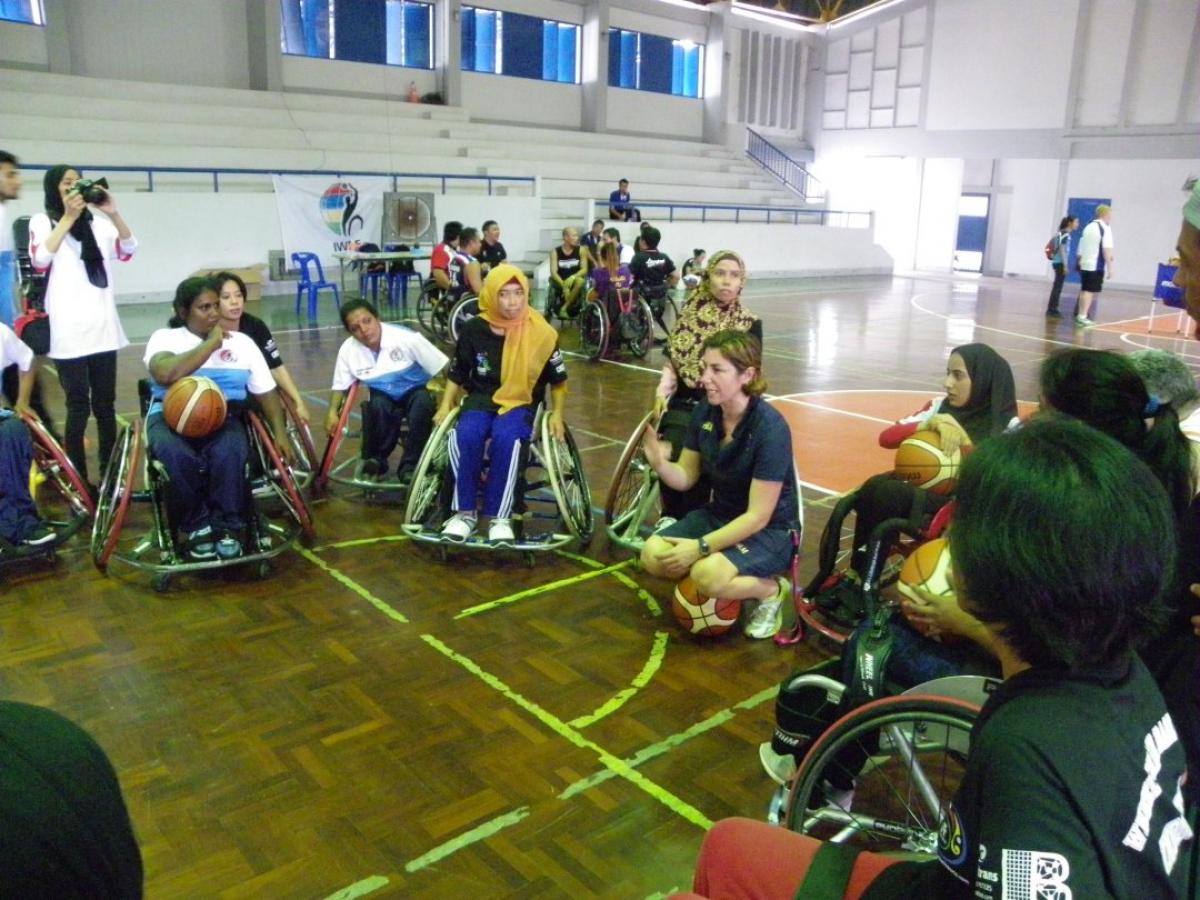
x: 371, y: 720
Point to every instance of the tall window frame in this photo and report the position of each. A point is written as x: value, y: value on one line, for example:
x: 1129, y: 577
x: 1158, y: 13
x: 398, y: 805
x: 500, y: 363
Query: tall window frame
x: 23, y: 12
x: 639, y: 61
x: 384, y: 32
x: 496, y: 42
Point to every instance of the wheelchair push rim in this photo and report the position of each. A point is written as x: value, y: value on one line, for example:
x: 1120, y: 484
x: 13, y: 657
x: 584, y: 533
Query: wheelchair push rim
x: 632, y: 492
x: 116, y: 493
x: 279, y: 476
x: 58, y: 470
x: 567, y: 480
x: 593, y: 330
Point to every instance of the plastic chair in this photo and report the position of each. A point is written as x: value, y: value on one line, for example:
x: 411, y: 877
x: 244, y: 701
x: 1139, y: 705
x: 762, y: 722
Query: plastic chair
x: 302, y: 262
x: 399, y: 273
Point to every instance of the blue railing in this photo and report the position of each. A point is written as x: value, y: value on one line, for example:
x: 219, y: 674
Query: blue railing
x: 791, y: 173
x: 443, y: 177
x: 797, y: 215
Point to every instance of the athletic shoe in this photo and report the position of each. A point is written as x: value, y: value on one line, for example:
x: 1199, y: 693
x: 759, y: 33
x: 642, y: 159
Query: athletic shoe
x: 1053, y: 314
x: 500, y: 530
x: 459, y: 527
x: 38, y: 535
x: 780, y: 766
x: 663, y: 523
x: 1083, y: 322
x: 768, y: 618
x: 228, y: 546
x: 199, y: 544
x: 371, y: 469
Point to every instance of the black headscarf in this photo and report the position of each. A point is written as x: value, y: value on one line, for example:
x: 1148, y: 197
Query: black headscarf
x: 993, y: 400
x: 64, y: 829
x: 93, y: 259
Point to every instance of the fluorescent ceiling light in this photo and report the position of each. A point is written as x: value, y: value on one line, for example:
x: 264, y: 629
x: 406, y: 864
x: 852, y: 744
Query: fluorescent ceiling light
x: 696, y: 6
x: 862, y: 13
x: 777, y: 21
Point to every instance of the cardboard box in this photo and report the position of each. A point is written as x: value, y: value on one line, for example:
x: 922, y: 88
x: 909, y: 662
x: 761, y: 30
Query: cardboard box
x: 252, y: 275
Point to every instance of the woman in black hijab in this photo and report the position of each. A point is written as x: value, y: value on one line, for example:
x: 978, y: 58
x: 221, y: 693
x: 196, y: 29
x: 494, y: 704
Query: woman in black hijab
x: 85, y: 331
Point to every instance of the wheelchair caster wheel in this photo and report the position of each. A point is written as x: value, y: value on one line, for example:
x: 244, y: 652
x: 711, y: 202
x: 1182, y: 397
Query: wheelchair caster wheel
x: 262, y: 571
x: 162, y: 583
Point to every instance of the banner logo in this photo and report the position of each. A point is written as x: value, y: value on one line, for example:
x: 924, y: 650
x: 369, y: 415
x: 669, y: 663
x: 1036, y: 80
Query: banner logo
x: 338, y: 205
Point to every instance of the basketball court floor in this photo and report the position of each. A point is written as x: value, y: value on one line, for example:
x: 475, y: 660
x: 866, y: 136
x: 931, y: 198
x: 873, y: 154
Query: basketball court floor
x: 372, y: 720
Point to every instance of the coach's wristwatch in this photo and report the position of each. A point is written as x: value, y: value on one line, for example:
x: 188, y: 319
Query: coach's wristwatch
x: 704, y: 548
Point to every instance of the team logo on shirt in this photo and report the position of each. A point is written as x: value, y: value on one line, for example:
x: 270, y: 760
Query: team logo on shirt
x: 707, y: 426
x: 396, y: 354
x: 227, y: 355
x: 482, y: 367
x: 1036, y: 875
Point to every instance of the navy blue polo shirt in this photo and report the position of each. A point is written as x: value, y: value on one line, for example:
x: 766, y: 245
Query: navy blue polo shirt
x: 761, y: 448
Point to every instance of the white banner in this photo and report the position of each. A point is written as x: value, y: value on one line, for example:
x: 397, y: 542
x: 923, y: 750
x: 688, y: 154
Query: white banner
x: 322, y: 214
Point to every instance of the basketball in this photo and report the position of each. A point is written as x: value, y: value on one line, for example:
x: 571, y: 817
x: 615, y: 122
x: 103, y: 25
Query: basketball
x: 927, y: 567
x: 703, y: 616
x: 194, y: 406
x: 921, y: 462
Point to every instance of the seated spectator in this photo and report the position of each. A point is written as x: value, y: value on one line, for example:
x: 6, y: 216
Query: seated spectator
x: 235, y: 318
x: 591, y: 241
x: 619, y: 205
x: 653, y: 270
x: 607, y: 277
x: 693, y: 268
x: 613, y: 236
x: 395, y: 363
x: 503, y: 360
x: 491, y: 252
x: 465, y: 267
x: 63, y: 822
x: 442, y: 269
x: 568, y: 272
x: 736, y: 545
x: 19, y: 520
x: 1032, y: 816
x: 208, y: 474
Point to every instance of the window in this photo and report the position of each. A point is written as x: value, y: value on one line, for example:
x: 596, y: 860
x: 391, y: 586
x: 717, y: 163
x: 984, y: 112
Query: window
x: 508, y: 43
x: 647, y: 62
x: 29, y: 12
x: 395, y: 32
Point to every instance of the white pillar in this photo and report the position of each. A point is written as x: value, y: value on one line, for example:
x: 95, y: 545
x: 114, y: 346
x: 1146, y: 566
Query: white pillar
x: 594, y: 65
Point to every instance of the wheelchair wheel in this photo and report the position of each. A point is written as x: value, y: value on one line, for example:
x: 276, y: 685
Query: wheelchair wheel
x: 279, y: 474
x: 567, y: 480
x: 58, y: 470
x: 463, y: 312
x: 633, y: 493
x: 637, y: 329
x: 427, y: 307
x: 593, y: 330
x: 906, y: 756
x: 666, y: 313
x: 301, y: 439
x: 432, y: 470
x: 116, y: 493
x: 334, y: 442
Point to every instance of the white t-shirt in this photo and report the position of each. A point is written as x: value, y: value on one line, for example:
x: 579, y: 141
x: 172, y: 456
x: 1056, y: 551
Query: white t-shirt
x: 14, y: 350
x: 627, y: 253
x: 1090, y: 244
x: 237, y: 366
x: 83, y: 317
x: 406, y: 360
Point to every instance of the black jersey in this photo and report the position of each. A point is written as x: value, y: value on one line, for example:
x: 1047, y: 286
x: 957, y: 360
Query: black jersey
x: 492, y: 254
x: 567, y: 264
x: 256, y: 329
x: 478, y: 356
x: 652, y: 269
x: 1073, y: 788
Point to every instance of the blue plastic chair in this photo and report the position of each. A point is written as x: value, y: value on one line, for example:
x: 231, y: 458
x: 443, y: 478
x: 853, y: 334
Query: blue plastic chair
x: 303, y: 261
x: 398, y: 275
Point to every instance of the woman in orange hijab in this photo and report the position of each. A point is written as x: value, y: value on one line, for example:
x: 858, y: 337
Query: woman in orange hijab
x: 502, y: 360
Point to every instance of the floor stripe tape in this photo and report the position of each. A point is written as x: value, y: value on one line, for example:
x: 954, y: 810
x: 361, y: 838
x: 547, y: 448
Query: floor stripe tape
x: 644, y: 595
x: 614, y: 703
x: 363, y: 542
x: 353, y: 585
x: 476, y: 834
x: 359, y: 888
x: 540, y: 589
x: 612, y: 763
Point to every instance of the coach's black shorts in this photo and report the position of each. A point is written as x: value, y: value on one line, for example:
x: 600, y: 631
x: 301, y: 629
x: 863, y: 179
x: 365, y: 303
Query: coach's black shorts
x: 1092, y: 282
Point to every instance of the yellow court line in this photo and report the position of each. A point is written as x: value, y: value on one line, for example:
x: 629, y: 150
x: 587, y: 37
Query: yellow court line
x: 541, y: 589
x: 657, y: 653
x: 558, y: 726
x: 586, y: 560
x: 363, y: 542
x: 359, y: 888
x: 644, y: 595
x: 353, y: 585
x: 476, y: 834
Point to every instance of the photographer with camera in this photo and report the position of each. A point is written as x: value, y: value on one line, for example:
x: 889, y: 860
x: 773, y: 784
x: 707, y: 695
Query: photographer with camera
x: 85, y: 331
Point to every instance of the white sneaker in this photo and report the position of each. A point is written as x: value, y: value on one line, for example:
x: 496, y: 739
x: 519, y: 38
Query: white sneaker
x: 459, y: 526
x: 1084, y: 322
x: 780, y: 766
x: 500, y: 530
x: 768, y: 618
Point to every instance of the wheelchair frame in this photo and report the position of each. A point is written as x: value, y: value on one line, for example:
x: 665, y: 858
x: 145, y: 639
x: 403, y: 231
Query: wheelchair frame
x: 596, y: 331
x: 156, y: 552
x: 332, y: 470
x: 432, y: 486
x: 633, y: 494
x: 441, y: 313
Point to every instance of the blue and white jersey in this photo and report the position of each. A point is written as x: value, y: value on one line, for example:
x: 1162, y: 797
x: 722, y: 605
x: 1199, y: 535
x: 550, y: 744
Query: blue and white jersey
x: 237, y: 366
x: 406, y: 360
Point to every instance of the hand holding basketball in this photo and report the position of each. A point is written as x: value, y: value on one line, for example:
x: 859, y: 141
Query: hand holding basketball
x: 952, y: 434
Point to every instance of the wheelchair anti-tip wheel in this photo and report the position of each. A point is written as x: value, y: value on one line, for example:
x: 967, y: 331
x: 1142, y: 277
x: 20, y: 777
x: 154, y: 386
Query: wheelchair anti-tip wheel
x: 633, y: 495
x: 905, y: 756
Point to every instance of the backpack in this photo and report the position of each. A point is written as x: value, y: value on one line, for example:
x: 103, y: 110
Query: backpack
x: 1052, y: 246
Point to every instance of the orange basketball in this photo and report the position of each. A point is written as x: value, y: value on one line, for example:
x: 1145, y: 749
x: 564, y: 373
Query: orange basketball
x: 921, y: 462
x: 700, y: 615
x: 194, y: 406
x: 927, y: 567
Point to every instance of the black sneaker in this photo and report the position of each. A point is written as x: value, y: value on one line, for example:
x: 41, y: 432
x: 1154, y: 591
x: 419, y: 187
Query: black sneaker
x: 1053, y: 314
x: 199, y: 544
x: 372, y: 468
x: 38, y: 535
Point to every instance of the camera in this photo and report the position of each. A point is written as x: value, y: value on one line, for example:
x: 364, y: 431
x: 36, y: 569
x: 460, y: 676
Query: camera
x: 93, y: 190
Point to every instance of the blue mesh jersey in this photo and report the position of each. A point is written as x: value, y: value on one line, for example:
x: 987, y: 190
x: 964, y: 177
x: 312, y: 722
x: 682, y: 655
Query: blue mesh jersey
x: 406, y: 360
x: 237, y: 366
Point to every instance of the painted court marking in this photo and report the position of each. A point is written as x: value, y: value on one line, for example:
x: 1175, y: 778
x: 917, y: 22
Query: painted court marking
x: 643, y: 678
x: 475, y: 835
x: 360, y: 888
x: 540, y: 589
x: 352, y: 585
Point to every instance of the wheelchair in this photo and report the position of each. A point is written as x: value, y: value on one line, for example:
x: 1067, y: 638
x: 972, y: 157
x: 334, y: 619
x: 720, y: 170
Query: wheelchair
x: 556, y: 306
x: 271, y: 490
x: 300, y: 437
x: 632, y: 329
x: 633, y: 503
x: 662, y: 306
x: 554, y: 505
x: 906, y: 755
x: 442, y: 313
x: 835, y: 614
x: 65, y: 508
x: 347, y: 472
